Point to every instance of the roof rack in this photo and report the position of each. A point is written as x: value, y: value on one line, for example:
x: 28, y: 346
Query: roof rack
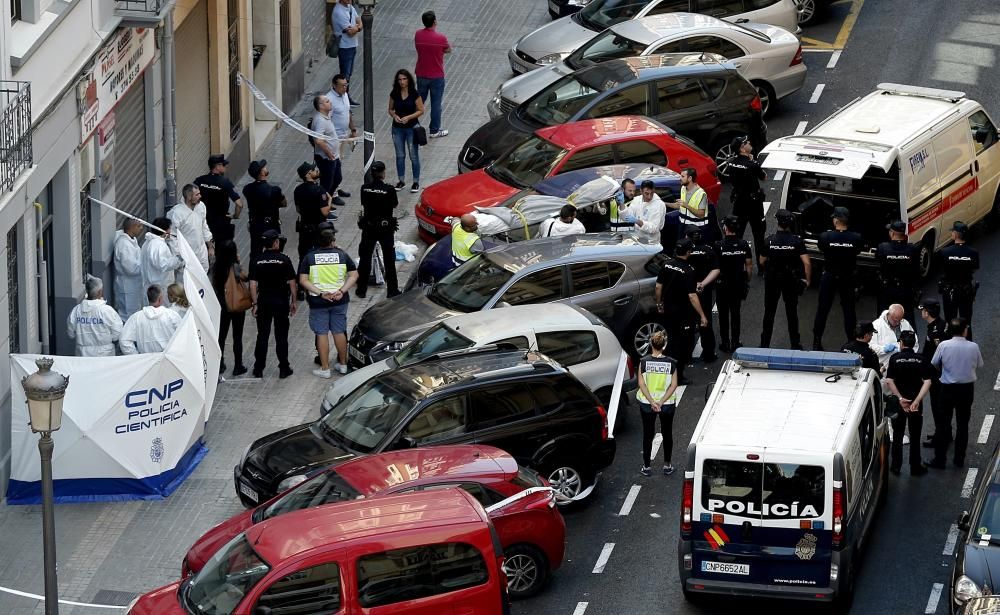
x: 913, y: 90
x: 797, y: 360
x: 447, y: 354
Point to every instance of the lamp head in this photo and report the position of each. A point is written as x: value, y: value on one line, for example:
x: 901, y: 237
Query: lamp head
x: 366, y: 3
x: 45, y: 390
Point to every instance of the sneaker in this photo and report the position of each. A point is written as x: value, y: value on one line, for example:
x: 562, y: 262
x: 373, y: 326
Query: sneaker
x: 438, y: 134
x: 344, y: 194
x: 339, y: 201
x: 645, y: 471
x: 239, y: 370
x: 668, y: 469
x: 221, y: 379
x: 322, y: 373
x: 340, y: 367
x: 415, y: 187
x: 285, y: 372
x: 400, y: 185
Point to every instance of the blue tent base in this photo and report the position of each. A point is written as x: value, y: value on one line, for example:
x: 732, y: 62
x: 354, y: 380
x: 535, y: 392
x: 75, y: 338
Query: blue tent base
x: 88, y: 490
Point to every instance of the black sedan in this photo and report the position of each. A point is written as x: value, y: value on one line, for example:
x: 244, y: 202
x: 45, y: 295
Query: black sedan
x: 978, y: 553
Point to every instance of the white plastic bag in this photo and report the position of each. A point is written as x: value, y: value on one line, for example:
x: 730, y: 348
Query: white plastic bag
x: 405, y: 251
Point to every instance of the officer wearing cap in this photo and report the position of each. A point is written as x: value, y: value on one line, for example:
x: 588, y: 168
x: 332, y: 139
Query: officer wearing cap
x: 273, y: 288
x: 677, y: 299
x: 735, y: 269
x: 705, y: 263
x: 898, y: 269
x: 840, y: 248
x: 747, y: 198
x: 937, y: 332
x: 378, y: 226
x: 787, y: 273
x: 863, y: 333
x: 313, y: 206
x: 264, y: 201
x: 908, y: 376
x: 216, y: 192
x: 959, y: 263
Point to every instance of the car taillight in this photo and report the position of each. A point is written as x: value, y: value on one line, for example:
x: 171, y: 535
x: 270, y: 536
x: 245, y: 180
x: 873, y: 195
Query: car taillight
x: 798, y: 57
x: 687, y: 504
x: 838, y: 514
x: 755, y: 104
x: 631, y: 367
x: 604, y: 421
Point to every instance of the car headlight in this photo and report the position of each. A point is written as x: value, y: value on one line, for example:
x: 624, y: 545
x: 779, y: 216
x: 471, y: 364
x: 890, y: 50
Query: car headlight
x: 388, y: 347
x: 497, y: 97
x: 578, y: 2
x: 291, y: 481
x: 552, y: 58
x: 966, y: 589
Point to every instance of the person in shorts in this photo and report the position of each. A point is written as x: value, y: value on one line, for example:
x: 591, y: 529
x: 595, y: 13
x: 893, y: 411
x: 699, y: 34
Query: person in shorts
x: 328, y: 274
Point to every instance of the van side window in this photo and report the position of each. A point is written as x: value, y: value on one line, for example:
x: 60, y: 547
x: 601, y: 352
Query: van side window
x: 311, y: 591
x: 398, y: 575
x: 984, y: 133
x: 569, y: 347
x: 866, y: 435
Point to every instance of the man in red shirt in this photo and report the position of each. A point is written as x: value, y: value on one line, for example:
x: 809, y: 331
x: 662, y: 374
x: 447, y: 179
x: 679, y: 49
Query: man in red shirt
x: 431, y: 46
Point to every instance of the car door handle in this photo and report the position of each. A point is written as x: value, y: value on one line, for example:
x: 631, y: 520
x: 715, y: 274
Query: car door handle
x: 975, y: 166
x: 738, y: 64
x: 623, y: 300
x: 711, y: 114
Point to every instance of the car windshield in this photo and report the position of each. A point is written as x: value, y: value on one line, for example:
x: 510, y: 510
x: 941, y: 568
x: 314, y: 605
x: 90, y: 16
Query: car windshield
x: 468, y: 287
x: 327, y: 488
x: 528, y: 163
x: 226, y: 578
x: 606, y: 46
x: 559, y: 102
x: 439, y: 338
x: 601, y: 14
x: 989, y: 519
x: 365, y: 417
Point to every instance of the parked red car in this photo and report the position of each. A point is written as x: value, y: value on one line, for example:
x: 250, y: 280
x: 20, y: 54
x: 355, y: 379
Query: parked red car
x: 558, y: 149
x: 531, y: 530
x: 407, y: 554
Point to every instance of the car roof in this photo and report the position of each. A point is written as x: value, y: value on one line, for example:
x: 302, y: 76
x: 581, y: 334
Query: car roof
x: 372, y: 474
x: 651, y: 28
x: 287, y: 535
x: 572, y: 135
x: 421, y: 379
x: 594, y: 246
x: 546, y: 316
x: 612, y: 74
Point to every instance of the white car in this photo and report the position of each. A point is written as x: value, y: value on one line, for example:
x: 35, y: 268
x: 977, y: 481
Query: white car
x: 554, y: 41
x: 565, y: 333
x: 769, y: 57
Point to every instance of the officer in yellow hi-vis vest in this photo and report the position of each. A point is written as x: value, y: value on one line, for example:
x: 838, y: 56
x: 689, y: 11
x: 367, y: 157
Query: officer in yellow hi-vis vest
x: 465, y: 240
x: 657, y: 396
x: 693, y: 204
x: 328, y: 274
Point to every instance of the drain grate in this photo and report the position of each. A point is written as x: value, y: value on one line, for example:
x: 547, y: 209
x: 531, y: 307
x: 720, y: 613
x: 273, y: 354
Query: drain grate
x: 114, y: 598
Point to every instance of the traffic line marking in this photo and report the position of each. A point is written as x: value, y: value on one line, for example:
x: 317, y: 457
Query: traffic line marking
x: 602, y: 559
x: 845, y: 30
x: 800, y: 128
x: 780, y: 175
x: 633, y: 493
x: 767, y: 206
x: 970, y: 482
x: 984, y: 433
x: 951, y: 541
x: 935, y: 597
x: 817, y: 93
x: 581, y: 608
x: 15, y: 592
x: 834, y: 58
x: 658, y: 438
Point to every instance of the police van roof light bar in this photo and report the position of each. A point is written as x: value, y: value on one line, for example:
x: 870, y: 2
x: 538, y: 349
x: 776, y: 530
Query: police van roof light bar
x: 797, y: 360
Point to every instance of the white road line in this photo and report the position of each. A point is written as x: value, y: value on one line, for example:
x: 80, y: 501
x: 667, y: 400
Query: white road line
x: 952, y: 540
x: 633, y: 493
x: 658, y: 438
x: 970, y: 482
x: 767, y: 204
x: 834, y: 58
x: 935, y: 597
x: 581, y: 608
x: 817, y: 93
x: 984, y: 433
x: 780, y: 175
x: 800, y: 128
x: 602, y: 559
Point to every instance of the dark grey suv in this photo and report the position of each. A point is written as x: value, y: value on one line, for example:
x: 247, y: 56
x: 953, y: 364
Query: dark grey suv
x: 612, y: 276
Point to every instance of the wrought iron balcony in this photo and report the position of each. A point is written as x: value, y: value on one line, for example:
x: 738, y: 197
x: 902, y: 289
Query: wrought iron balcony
x: 15, y: 131
x: 141, y: 13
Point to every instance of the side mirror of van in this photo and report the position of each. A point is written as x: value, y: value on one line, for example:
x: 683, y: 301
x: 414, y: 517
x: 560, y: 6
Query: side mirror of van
x: 963, y: 521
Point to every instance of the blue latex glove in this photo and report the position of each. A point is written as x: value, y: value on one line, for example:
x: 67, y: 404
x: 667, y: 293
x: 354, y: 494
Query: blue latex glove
x: 629, y: 218
x: 890, y: 347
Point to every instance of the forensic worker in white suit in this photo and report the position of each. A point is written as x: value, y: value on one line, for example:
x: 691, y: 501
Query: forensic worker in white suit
x: 150, y: 329
x: 128, y: 272
x: 94, y: 324
x: 648, y: 213
x: 159, y: 262
x: 189, y: 218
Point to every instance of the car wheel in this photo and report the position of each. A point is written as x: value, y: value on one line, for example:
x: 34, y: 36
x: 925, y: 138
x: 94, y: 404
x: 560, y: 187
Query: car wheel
x: 845, y: 596
x: 526, y: 570
x: 642, y: 333
x: 723, y: 154
x: 566, y: 480
x: 807, y: 11
x: 768, y: 99
x: 926, y: 256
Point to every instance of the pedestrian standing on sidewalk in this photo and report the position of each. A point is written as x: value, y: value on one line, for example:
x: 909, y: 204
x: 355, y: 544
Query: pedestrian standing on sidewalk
x: 159, y: 262
x: 908, y: 376
x: 693, y: 204
x: 228, y: 259
x: 706, y: 271
x: 273, y: 289
x: 957, y: 286
x: 657, y: 397
x: 405, y: 107
x: 264, y: 203
x: 346, y: 25
x: 378, y: 226
x: 313, y: 206
x: 328, y: 274
x: 326, y: 153
x: 343, y: 121
x: 128, y: 268
x: 787, y: 273
x: 677, y: 300
x: 431, y: 46
x: 190, y: 218
x: 94, y: 324
x: 958, y: 359
x: 216, y: 192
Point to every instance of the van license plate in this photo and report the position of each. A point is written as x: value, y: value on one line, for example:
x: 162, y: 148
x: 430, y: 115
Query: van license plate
x: 250, y: 493
x: 725, y: 568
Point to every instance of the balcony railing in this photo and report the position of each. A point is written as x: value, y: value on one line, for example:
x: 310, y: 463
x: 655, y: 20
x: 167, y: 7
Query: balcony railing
x: 15, y: 131
x: 139, y: 13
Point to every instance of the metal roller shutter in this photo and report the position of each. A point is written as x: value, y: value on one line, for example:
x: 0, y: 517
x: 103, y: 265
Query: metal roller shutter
x: 130, y: 151
x: 192, y: 98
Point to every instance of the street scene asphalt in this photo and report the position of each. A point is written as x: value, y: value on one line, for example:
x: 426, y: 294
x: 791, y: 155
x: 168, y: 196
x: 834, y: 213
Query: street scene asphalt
x: 621, y: 555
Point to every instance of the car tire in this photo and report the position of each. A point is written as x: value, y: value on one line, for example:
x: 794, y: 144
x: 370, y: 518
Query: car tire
x: 768, y: 99
x: 809, y: 12
x: 640, y: 332
x: 567, y: 479
x: 925, y: 258
x: 722, y: 153
x: 845, y: 596
x: 527, y: 571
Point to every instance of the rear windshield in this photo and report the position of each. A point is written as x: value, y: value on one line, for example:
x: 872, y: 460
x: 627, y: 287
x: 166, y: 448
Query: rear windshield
x: 762, y: 490
x: 527, y: 478
x: 439, y: 338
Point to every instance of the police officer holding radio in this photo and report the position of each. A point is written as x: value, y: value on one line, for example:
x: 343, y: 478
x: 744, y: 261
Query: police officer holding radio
x: 840, y: 248
x: 908, y: 376
x: 787, y: 273
x: 959, y: 263
x: 378, y: 225
x: 273, y: 289
x: 735, y: 269
x: 705, y: 263
x: 677, y: 299
x: 898, y: 270
x: 264, y: 201
x: 747, y: 198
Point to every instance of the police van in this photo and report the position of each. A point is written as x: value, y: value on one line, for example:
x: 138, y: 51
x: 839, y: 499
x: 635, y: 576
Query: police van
x: 925, y: 156
x: 784, y: 476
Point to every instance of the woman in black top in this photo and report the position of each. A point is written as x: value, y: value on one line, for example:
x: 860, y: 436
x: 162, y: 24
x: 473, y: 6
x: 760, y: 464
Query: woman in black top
x: 226, y: 258
x: 405, y: 106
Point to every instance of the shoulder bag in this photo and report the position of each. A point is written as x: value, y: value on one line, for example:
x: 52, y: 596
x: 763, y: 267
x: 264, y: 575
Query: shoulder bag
x: 237, y: 291
x: 419, y: 135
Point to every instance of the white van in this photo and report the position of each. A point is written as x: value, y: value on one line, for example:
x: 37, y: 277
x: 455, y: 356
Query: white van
x: 925, y: 156
x: 784, y: 475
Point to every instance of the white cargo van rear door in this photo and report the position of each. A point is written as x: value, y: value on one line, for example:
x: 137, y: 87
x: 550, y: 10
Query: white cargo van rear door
x: 987, y: 167
x: 827, y: 156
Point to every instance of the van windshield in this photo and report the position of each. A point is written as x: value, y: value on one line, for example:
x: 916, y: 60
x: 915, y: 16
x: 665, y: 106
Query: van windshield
x: 762, y: 490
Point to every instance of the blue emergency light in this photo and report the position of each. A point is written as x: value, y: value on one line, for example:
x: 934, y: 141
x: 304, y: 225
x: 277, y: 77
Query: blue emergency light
x: 797, y: 360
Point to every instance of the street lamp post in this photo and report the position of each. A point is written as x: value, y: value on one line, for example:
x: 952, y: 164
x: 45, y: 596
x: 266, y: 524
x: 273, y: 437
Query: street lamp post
x: 45, y: 390
x: 367, y: 19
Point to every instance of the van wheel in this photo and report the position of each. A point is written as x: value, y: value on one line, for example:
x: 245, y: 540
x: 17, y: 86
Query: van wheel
x: 567, y: 480
x: 768, y: 99
x: 845, y: 597
x: 641, y: 332
x: 527, y: 571
x: 926, y: 256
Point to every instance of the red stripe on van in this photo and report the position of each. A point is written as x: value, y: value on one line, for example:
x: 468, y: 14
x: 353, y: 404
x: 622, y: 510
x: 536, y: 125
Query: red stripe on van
x: 951, y: 200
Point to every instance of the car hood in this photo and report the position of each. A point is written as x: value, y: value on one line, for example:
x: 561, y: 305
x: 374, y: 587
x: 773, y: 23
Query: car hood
x: 215, y: 538
x: 523, y: 87
x: 345, y: 385
x: 561, y: 36
x: 162, y: 601
x: 295, y: 450
x: 403, y: 317
x: 979, y: 562
x: 460, y: 194
x: 494, y: 138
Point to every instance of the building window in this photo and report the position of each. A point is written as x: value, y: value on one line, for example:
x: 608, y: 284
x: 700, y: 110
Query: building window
x: 284, y: 23
x: 235, y: 118
x: 13, y: 322
x: 85, y: 228
x: 15, y: 10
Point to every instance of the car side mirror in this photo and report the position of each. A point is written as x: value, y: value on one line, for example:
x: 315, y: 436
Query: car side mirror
x: 963, y: 521
x: 405, y: 442
x: 981, y: 135
x: 502, y: 304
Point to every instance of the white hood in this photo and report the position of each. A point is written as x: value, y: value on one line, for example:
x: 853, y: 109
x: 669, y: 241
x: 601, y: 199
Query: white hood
x: 521, y: 88
x: 563, y: 36
x: 149, y: 330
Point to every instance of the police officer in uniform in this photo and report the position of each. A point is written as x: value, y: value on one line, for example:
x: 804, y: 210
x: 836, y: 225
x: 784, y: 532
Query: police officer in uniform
x: 378, y: 225
x: 264, y: 201
x: 863, y: 333
x: 677, y: 299
x: 216, y: 192
x: 313, y: 205
x: 908, y: 376
x: 735, y: 269
x: 898, y: 269
x: 959, y: 263
x: 705, y: 263
x: 273, y: 289
x: 747, y: 198
x: 787, y: 273
x: 937, y: 332
x: 840, y: 248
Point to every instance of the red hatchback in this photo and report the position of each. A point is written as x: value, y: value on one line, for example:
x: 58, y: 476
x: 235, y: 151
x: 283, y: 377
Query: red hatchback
x: 558, y: 149
x: 531, y: 529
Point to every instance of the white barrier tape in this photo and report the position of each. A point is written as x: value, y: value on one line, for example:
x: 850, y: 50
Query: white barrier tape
x: 281, y: 115
x: 69, y: 602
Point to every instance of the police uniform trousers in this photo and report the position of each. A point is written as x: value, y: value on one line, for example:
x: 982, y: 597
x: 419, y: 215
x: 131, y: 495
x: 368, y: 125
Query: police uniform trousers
x: 955, y: 399
x: 942, y: 424
x: 384, y: 237
x: 707, y: 334
x: 831, y: 284
x: 268, y: 312
x: 729, y: 300
x: 893, y: 291
x: 957, y: 300
x: 914, y: 422
x: 222, y: 229
x: 787, y: 288
x: 682, y: 334
x: 742, y: 208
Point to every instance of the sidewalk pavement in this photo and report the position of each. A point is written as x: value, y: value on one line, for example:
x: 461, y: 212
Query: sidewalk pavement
x: 110, y: 552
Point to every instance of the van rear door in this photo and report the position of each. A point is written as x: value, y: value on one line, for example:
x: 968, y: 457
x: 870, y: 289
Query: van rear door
x: 827, y: 156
